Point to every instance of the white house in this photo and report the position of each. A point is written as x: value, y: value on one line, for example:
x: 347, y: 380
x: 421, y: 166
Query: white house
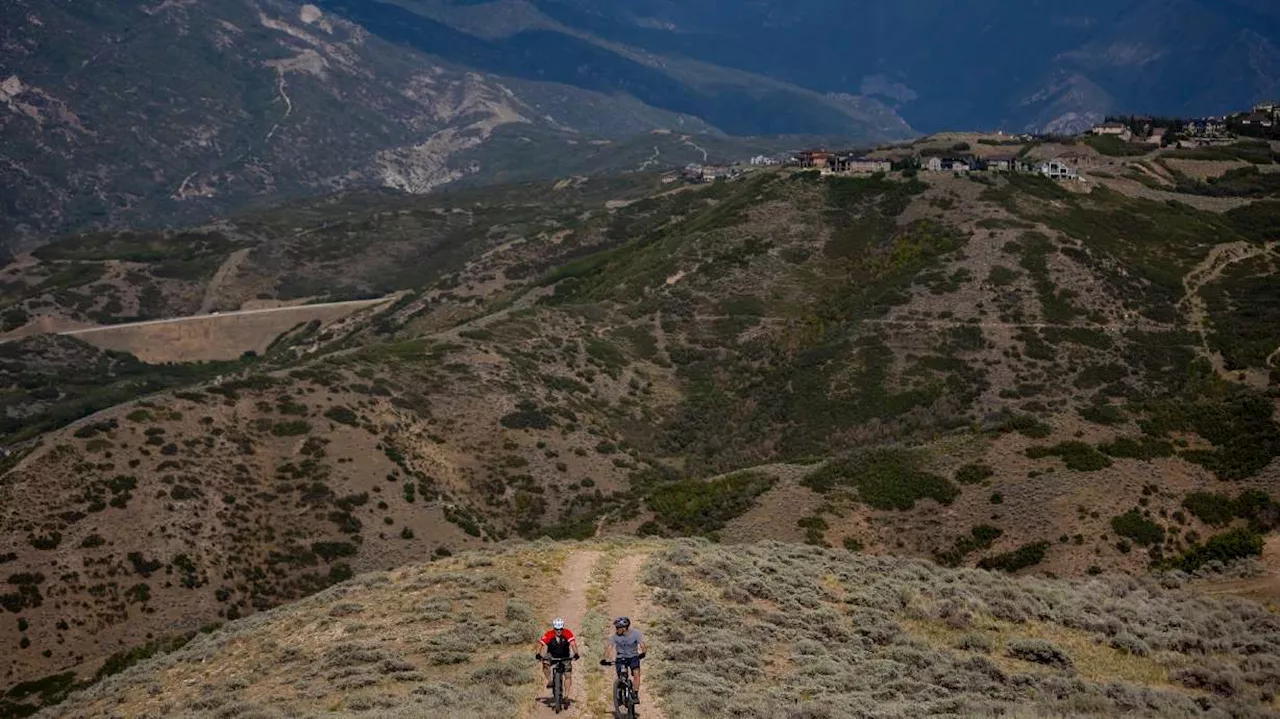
x: 1115, y: 129
x: 1056, y: 169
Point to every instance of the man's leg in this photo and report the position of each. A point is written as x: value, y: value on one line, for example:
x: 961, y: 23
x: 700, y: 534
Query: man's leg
x: 568, y: 684
x: 546, y: 672
x: 635, y: 680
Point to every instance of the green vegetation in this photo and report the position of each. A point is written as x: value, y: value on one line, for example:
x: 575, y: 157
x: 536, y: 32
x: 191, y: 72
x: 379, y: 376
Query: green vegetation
x: 1218, y: 510
x: 1027, y: 426
x: 1078, y: 456
x: 1241, y: 428
x: 1115, y: 147
x: 1227, y: 547
x: 695, y: 506
x: 1141, y: 529
x: 1145, y: 448
x: 292, y: 428
x: 974, y: 473
x: 884, y: 479
x: 979, y: 538
x: 342, y: 415
x: 1244, y: 311
x: 1027, y: 555
x: 51, y: 381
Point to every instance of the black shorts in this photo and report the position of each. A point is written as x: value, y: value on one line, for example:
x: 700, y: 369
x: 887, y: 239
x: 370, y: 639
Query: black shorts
x: 632, y: 663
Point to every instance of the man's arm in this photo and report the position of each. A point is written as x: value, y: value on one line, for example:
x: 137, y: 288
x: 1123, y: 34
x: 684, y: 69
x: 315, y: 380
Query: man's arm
x: 573, y: 644
x: 542, y: 648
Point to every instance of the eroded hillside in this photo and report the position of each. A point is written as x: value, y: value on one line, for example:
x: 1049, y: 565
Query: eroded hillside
x: 991, y: 371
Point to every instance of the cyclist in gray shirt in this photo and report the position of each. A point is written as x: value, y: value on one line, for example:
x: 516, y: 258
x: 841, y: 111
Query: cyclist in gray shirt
x: 625, y: 648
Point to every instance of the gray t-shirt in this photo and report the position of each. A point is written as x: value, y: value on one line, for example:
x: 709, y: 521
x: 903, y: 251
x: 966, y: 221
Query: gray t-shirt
x: 627, y: 644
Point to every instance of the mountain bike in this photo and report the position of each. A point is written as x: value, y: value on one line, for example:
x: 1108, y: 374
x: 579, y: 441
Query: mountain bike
x: 624, y: 692
x: 559, y: 701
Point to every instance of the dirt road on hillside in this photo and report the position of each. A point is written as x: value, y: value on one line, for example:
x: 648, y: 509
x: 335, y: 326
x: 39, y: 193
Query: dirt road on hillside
x: 575, y: 576
x: 629, y: 597
x: 626, y: 596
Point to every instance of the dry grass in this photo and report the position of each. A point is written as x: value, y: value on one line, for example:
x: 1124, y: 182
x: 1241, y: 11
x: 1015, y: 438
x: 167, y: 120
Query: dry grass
x: 847, y: 635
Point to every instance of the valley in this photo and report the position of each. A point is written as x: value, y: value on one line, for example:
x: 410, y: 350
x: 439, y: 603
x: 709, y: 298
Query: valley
x: 972, y: 370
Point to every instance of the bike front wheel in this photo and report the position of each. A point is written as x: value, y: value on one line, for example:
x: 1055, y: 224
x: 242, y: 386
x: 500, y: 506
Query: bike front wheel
x: 557, y: 691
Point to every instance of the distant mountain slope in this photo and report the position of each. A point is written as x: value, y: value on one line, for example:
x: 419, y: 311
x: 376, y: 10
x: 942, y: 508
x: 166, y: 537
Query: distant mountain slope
x: 132, y: 113
x: 981, y: 63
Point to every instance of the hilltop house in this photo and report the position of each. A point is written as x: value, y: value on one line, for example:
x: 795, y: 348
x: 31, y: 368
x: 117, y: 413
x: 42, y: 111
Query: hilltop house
x: 1258, y: 119
x: 817, y: 159
x: 1057, y: 169
x: 709, y: 173
x: 948, y: 164
x: 1114, y: 129
x: 1157, y: 137
x: 861, y: 165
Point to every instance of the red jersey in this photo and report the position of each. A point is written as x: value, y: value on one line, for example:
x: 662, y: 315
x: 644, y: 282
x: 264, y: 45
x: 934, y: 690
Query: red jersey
x: 558, y: 646
x: 550, y: 636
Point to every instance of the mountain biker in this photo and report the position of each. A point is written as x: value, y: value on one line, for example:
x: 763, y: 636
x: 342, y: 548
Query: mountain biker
x: 626, y: 647
x: 558, y: 643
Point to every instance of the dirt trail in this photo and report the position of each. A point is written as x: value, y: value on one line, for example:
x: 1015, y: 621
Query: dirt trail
x: 227, y: 269
x: 575, y: 576
x: 627, y: 597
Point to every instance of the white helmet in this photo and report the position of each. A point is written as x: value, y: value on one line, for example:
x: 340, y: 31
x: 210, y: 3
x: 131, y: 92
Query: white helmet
x: 557, y: 623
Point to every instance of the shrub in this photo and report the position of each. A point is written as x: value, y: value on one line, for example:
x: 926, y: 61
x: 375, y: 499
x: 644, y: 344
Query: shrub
x: 292, y: 428
x: 527, y: 418
x: 974, y: 473
x: 1025, y: 556
x: 884, y: 479
x: 1145, y: 448
x: 1078, y: 456
x: 342, y: 415
x: 1227, y: 547
x: 975, y: 642
x: 329, y: 551
x: 1212, y: 508
x: 1027, y: 426
x: 1039, y: 651
x: 1140, y: 529
x: 695, y: 506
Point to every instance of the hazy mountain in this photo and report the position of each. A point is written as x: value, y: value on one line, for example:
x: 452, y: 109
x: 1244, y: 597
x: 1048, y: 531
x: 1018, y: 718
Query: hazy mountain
x: 115, y: 113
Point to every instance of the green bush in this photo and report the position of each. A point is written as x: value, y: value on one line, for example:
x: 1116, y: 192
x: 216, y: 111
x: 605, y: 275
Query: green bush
x: 1078, y: 456
x: 695, y: 506
x: 342, y: 415
x: 1138, y: 448
x: 1140, y: 529
x: 974, y: 473
x: 884, y: 479
x: 1227, y: 547
x: 1212, y: 508
x: 1025, y: 556
x: 292, y: 428
x: 1026, y: 425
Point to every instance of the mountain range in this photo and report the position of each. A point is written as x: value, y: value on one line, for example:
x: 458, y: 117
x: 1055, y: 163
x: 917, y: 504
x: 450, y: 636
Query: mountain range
x: 118, y: 113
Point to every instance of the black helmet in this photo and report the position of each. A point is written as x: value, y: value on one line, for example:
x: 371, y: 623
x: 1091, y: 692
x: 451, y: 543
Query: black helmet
x: 622, y: 622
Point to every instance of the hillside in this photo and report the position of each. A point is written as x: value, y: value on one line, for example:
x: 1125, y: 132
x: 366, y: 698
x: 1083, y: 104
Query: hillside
x: 127, y: 114
x: 999, y: 64
x: 992, y: 371
x: 762, y: 630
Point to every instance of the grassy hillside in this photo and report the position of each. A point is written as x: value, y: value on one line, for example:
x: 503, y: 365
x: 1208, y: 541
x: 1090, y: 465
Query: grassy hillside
x: 761, y: 630
x: 983, y: 372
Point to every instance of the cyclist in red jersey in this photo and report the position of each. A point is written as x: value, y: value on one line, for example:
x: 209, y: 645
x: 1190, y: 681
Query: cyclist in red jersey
x: 558, y: 643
